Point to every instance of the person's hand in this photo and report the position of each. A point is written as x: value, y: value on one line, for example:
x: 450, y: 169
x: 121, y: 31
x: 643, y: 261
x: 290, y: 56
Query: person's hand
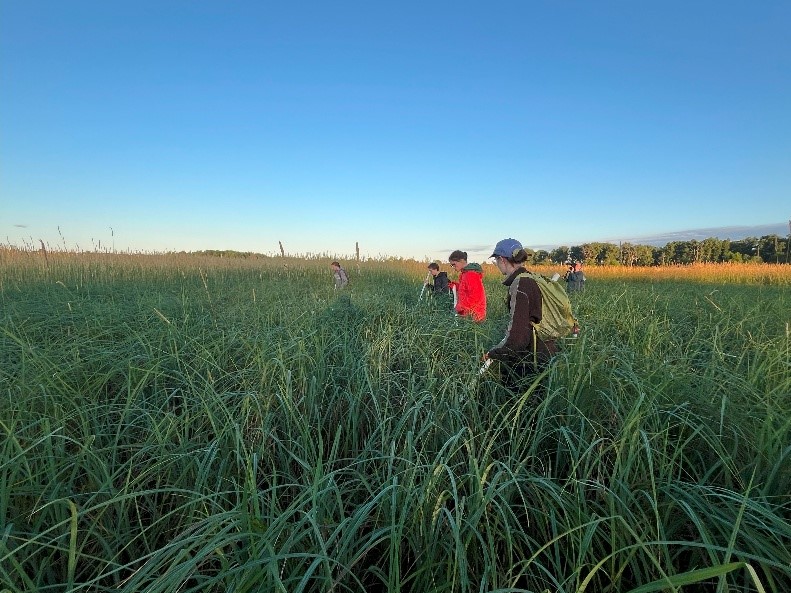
x: 485, y: 356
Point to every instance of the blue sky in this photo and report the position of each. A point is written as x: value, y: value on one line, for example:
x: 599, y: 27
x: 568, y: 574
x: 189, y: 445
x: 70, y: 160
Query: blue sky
x: 413, y: 128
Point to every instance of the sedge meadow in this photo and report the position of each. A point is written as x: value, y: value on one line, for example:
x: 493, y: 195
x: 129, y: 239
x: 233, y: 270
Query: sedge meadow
x: 197, y: 424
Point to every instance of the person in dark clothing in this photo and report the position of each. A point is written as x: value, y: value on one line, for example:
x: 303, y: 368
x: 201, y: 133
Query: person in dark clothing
x: 575, y: 278
x: 440, y: 284
x: 522, y: 355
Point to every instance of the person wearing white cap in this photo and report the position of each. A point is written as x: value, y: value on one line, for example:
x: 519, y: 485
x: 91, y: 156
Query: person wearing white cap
x: 521, y: 353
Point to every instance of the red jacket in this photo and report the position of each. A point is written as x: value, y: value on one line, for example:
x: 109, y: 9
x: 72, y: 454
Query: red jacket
x: 471, y: 294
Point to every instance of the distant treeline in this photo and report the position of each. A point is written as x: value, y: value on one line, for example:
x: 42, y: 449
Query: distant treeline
x: 227, y: 253
x: 771, y: 249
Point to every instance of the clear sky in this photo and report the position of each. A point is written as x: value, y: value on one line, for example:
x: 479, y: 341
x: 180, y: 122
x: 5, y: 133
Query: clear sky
x: 413, y: 128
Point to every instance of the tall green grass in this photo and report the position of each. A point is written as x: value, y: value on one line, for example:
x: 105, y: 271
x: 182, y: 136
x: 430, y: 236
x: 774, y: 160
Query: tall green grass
x: 244, y: 428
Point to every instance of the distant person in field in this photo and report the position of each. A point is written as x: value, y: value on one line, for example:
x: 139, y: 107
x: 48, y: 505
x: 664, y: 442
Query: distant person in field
x: 469, y: 287
x: 439, y: 286
x: 522, y: 355
x: 575, y: 278
x: 340, y: 276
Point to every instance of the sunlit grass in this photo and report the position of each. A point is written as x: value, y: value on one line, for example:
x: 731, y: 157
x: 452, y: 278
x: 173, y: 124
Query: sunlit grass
x: 730, y: 273
x: 203, y: 424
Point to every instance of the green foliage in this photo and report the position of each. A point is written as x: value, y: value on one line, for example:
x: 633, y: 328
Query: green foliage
x: 242, y: 428
x: 769, y: 249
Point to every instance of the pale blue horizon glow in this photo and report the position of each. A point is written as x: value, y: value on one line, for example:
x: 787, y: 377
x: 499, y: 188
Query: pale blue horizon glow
x: 411, y: 128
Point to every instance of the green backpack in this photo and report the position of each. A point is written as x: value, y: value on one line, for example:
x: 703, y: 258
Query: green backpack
x: 557, y: 320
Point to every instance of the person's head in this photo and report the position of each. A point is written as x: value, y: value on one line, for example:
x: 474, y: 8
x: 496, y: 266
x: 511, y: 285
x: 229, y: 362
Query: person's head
x: 508, y: 255
x: 577, y: 266
x: 433, y: 268
x: 458, y: 259
x: 335, y: 266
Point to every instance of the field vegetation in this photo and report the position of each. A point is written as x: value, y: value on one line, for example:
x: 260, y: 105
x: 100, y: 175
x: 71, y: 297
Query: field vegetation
x: 181, y: 423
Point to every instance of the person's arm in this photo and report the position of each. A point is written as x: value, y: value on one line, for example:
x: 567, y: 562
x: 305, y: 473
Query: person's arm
x: 462, y: 288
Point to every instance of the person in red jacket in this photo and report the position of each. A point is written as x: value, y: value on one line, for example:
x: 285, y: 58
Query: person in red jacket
x: 469, y: 287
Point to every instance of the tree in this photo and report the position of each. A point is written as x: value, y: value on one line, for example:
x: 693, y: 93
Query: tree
x: 745, y: 247
x: 771, y: 248
x: 713, y: 250
x: 541, y: 257
x: 628, y: 254
x: 560, y: 255
x: 686, y: 252
x: 577, y: 253
x: 645, y: 255
x: 607, y: 254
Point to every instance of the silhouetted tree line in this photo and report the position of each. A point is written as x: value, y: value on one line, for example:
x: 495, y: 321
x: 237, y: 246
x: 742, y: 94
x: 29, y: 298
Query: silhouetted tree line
x: 767, y: 249
x: 771, y: 249
x: 228, y: 253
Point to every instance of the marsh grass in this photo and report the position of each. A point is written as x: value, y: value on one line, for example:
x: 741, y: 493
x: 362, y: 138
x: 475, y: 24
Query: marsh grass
x: 719, y: 273
x: 192, y: 425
